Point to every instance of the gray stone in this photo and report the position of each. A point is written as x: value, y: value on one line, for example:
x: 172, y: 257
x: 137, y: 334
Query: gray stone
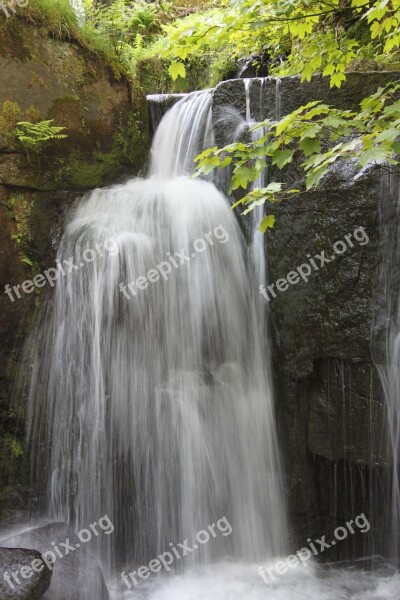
x: 76, y: 576
x: 12, y: 560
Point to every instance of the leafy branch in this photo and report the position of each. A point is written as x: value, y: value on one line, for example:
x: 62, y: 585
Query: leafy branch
x: 310, y: 34
x: 317, y: 136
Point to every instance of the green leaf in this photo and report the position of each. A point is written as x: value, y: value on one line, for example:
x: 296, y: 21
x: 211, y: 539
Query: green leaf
x: 177, y: 69
x: 314, y: 177
x: 396, y: 147
x: 374, y: 154
x: 282, y: 157
x: 337, y: 79
x: 267, y: 221
x: 310, y: 146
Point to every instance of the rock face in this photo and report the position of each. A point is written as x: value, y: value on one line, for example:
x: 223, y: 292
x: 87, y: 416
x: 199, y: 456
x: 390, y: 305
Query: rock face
x: 29, y: 571
x: 43, y: 78
x: 76, y: 575
x: 331, y: 411
x: 273, y: 95
x: 105, y: 121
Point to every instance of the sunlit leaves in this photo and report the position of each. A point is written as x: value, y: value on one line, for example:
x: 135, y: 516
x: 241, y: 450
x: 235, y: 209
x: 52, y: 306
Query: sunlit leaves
x: 266, y: 222
x: 317, y: 136
x: 310, y: 146
x: 309, y: 33
x: 383, y: 18
x: 177, y: 69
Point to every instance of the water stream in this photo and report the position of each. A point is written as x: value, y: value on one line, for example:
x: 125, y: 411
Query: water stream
x: 389, y: 366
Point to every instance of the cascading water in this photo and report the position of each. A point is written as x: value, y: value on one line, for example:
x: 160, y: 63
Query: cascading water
x: 390, y: 370
x: 156, y: 407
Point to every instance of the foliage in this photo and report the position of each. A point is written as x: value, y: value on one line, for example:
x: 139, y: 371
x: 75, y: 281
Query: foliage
x: 10, y: 114
x: 14, y: 445
x: 34, y: 136
x: 19, y: 210
x: 307, y: 36
x: 317, y: 136
x: 58, y: 16
x: 121, y: 22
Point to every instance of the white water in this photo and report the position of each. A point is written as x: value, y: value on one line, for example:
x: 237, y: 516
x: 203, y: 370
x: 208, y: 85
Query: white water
x: 240, y: 581
x: 158, y: 410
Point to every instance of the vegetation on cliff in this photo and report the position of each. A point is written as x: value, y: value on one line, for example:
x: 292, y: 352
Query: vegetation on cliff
x: 183, y: 44
x: 180, y: 45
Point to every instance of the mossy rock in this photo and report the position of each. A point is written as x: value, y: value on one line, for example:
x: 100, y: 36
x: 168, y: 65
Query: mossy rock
x: 60, y: 81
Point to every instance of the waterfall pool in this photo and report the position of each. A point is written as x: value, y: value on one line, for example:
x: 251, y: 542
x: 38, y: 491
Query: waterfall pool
x: 238, y: 581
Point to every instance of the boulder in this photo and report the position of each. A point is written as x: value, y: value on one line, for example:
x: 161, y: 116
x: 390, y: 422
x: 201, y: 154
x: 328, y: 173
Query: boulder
x: 30, y: 587
x: 76, y: 576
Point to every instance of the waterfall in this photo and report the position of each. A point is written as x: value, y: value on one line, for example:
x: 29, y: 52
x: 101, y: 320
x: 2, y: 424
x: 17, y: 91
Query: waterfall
x: 186, y: 130
x: 153, y: 402
x: 390, y: 366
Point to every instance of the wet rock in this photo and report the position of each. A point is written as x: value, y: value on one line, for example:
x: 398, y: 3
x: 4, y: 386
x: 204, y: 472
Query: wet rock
x: 159, y: 104
x: 33, y: 584
x: 77, y: 575
x: 293, y: 93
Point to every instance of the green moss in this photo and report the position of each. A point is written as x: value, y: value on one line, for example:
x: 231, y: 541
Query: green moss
x: 13, y: 41
x: 13, y: 470
x: 367, y: 65
x: 19, y: 211
x: 121, y: 150
x: 68, y: 112
x: 85, y: 175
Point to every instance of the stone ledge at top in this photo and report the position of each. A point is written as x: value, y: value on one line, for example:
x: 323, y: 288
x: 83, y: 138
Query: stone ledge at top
x: 293, y: 93
x: 263, y: 93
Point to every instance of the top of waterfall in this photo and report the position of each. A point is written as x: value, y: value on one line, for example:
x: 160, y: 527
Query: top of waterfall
x: 184, y: 131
